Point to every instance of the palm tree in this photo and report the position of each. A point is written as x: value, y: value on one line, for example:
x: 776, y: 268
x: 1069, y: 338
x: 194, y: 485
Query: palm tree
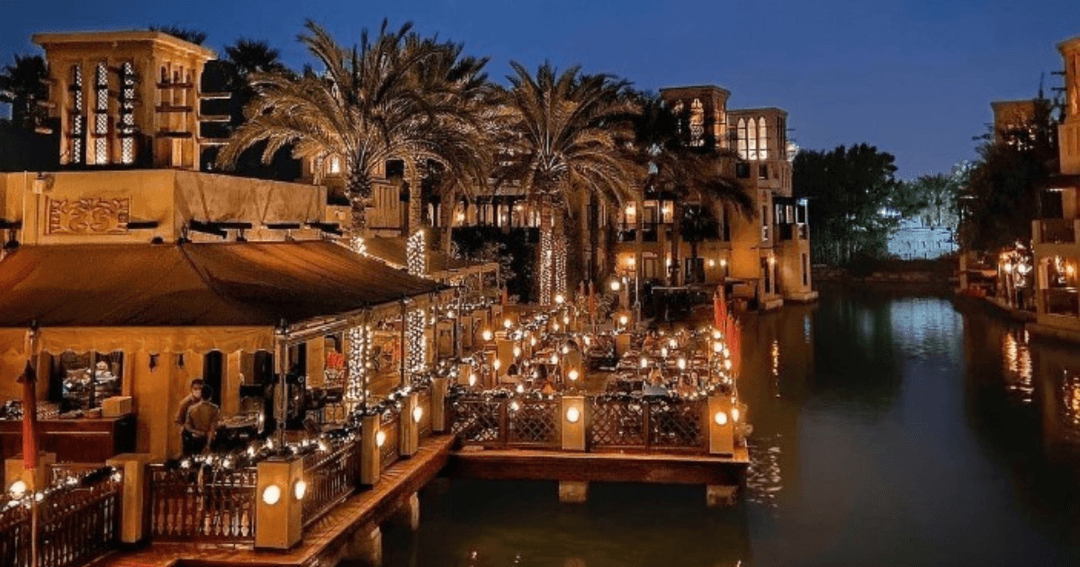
x: 397, y: 96
x: 561, y: 142
x: 688, y: 174
x: 189, y: 35
x: 23, y: 86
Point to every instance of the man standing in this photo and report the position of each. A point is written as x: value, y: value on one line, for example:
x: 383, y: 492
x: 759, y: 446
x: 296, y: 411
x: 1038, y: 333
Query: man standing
x: 191, y: 399
x: 202, y: 420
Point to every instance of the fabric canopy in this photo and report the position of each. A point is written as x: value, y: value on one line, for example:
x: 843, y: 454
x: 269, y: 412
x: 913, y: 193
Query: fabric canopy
x: 236, y: 284
x: 394, y: 251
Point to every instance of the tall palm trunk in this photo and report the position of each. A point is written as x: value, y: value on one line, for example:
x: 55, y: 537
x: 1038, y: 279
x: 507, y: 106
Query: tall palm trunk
x: 545, y: 262
x: 358, y: 190
x: 676, y: 242
x: 446, y: 224
x: 416, y: 196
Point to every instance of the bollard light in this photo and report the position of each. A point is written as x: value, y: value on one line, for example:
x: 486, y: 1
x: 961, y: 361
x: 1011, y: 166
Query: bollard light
x: 472, y: 379
x: 720, y: 418
x: 735, y: 414
x: 623, y: 320
x: 380, y: 438
x: 271, y: 494
x: 299, y: 489
x: 615, y: 285
x: 507, y: 323
x: 573, y: 415
x: 682, y: 363
x: 417, y: 413
x: 17, y: 489
x: 517, y: 351
x: 573, y: 374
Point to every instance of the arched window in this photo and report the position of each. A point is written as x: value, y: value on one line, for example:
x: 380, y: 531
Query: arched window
x: 741, y: 138
x: 763, y: 139
x: 752, y: 142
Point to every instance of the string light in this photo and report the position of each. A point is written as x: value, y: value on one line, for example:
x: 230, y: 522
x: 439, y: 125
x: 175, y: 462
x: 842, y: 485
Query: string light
x: 415, y: 254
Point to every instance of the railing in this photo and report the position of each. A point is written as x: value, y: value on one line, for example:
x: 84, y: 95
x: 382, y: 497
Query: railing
x: 80, y: 523
x: 188, y: 505
x: 514, y: 423
x: 616, y: 424
x: 1062, y: 302
x: 1057, y: 230
x: 620, y: 424
x: 63, y: 471
x: 15, y: 536
x: 76, y: 522
x: 329, y: 477
x: 390, y: 425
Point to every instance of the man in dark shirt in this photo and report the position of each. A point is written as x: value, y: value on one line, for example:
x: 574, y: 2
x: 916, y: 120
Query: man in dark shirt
x: 191, y: 399
x: 201, y: 422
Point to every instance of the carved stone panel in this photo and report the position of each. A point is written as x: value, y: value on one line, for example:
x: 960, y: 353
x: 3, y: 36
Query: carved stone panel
x: 91, y: 215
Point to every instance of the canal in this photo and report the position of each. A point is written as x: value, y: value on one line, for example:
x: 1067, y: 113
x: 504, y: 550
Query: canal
x: 889, y: 430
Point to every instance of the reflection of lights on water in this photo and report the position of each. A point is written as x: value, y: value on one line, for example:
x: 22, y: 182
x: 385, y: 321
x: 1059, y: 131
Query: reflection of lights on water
x: 1070, y: 400
x: 806, y: 329
x: 1016, y: 357
x: 776, y: 366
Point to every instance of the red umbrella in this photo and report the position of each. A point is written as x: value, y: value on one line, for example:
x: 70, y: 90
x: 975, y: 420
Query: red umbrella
x: 29, y: 432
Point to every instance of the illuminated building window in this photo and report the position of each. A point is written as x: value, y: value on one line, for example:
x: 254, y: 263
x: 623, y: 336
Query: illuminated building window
x: 334, y: 165
x: 763, y: 139
x: 78, y: 120
x: 101, y: 114
x: 697, y: 123
x: 751, y: 139
x: 741, y: 137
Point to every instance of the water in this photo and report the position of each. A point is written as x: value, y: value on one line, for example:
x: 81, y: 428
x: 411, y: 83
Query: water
x: 888, y: 431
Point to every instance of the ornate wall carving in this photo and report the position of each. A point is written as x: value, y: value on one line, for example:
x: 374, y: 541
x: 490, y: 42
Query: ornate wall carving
x: 91, y: 215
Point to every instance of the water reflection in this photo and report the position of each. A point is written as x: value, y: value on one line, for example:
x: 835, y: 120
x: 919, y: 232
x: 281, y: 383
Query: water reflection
x: 887, y: 431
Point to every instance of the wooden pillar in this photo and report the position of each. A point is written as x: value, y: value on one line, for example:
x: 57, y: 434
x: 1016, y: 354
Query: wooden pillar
x: 133, y: 495
x: 316, y: 362
x: 278, y: 508
x: 230, y: 383
x: 721, y: 426
x: 572, y: 410
x: 409, y: 428
x: 438, y: 405
x: 370, y: 458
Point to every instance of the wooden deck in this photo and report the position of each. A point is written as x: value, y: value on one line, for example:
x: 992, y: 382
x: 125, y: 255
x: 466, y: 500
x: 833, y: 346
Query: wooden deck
x: 661, y: 468
x: 325, y: 540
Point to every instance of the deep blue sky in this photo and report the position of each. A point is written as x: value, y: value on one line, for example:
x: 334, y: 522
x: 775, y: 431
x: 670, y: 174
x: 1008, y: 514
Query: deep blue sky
x: 913, y: 78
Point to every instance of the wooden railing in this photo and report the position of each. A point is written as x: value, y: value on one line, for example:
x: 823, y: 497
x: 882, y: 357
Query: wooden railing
x: 80, y: 523
x: 507, y: 423
x: 186, y: 505
x: 614, y: 424
x: 76, y: 522
x: 329, y: 478
x: 390, y: 425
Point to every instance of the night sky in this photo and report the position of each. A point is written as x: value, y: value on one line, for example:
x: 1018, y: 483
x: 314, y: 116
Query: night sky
x: 913, y: 78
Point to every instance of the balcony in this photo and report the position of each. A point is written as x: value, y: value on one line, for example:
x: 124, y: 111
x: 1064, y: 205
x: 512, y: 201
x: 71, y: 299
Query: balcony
x: 1056, y: 231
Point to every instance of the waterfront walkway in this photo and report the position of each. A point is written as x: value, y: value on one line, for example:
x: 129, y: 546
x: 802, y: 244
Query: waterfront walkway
x: 324, y: 542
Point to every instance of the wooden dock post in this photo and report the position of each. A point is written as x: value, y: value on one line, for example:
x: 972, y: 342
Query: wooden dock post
x: 438, y: 405
x: 721, y: 426
x: 133, y: 495
x: 279, y: 491
x: 409, y: 436
x: 572, y: 410
x: 370, y: 464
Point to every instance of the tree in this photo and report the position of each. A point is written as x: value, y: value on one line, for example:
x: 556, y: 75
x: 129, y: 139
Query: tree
x: 23, y: 86
x: 934, y: 199
x: 396, y: 96
x: 690, y: 174
x: 1004, y: 190
x: 561, y: 143
x: 191, y: 36
x: 850, y: 191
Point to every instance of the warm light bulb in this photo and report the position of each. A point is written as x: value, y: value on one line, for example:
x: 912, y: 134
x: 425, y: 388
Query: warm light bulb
x: 664, y: 352
x: 721, y: 418
x: 497, y: 364
x: 472, y: 379
x: 517, y: 351
x: 299, y: 489
x: 566, y: 319
x: 554, y: 359
x: 417, y: 414
x: 623, y: 320
x: 271, y: 494
x: 644, y: 362
x: 712, y: 263
x: 520, y: 388
x: 716, y: 334
x: 682, y: 364
x: 573, y: 415
x: 514, y: 406
x: 566, y: 349
x: 673, y: 343
x: 717, y: 347
x: 555, y: 327
x: 615, y: 285
x: 507, y: 323
x: 17, y: 489
x: 573, y: 374
x: 735, y: 414
x: 380, y: 438
x: 559, y: 299
x: 487, y: 335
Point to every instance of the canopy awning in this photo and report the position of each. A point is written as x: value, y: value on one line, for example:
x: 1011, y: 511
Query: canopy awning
x: 240, y: 284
